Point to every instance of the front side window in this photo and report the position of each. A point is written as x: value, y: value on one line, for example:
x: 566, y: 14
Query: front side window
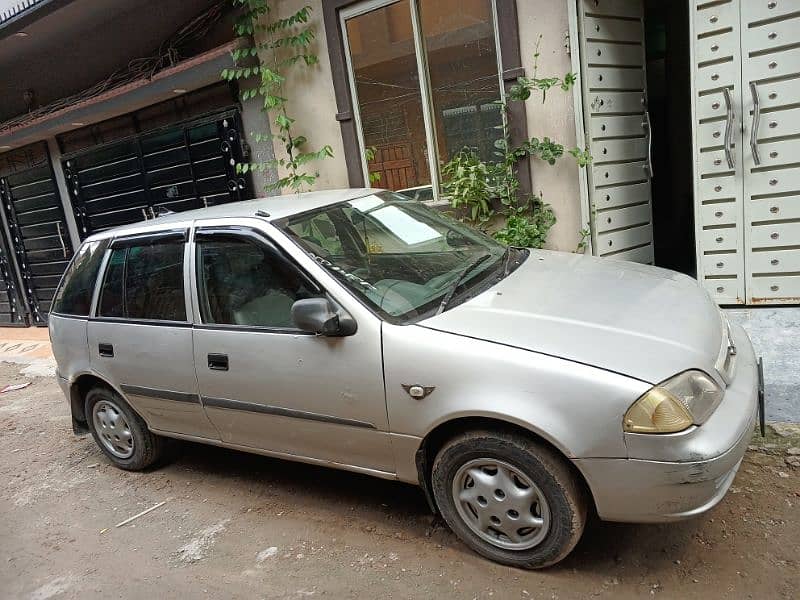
x: 402, y: 258
x: 74, y: 297
x: 145, y: 282
x: 241, y: 282
x: 426, y: 86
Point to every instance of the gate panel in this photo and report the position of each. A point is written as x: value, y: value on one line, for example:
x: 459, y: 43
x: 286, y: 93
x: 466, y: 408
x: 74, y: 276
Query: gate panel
x: 12, y: 311
x: 181, y: 167
x: 771, y: 136
x: 717, y: 148
x: 38, y: 231
x: 618, y: 127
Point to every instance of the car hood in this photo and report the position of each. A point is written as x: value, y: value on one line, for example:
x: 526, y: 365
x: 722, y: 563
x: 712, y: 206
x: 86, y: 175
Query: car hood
x: 637, y: 320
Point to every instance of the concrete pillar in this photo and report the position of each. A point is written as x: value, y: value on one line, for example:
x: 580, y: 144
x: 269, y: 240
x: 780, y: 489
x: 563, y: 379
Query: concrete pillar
x: 255, y: 123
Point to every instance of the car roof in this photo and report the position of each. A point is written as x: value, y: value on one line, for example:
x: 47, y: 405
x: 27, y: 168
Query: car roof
x: 272, y: 208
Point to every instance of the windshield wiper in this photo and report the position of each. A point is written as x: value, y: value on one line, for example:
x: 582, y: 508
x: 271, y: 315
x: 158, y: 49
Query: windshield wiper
x: 471, y: 267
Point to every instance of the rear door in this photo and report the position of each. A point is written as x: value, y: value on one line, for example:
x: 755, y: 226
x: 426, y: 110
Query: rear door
x: 141, y: 336
x: 264, y: 383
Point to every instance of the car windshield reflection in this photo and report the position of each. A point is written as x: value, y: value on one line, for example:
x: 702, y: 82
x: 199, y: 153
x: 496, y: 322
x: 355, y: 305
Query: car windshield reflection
x: 400, y: 257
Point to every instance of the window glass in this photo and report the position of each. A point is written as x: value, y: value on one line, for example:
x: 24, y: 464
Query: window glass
x: 458, y: 39
x: 389, y: 100
x: 242, y: 283
x: 401, y: 257
x: 112, y: 303
x: 462, y: 65
x: 145, y: 282
x: 74, y: 297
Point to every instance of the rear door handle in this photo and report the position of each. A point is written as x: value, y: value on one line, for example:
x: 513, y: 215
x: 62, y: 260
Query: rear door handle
x: 106, y: 350
x: 218, y: 362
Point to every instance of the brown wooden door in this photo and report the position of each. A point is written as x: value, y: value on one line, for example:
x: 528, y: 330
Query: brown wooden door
x: 395, y: 164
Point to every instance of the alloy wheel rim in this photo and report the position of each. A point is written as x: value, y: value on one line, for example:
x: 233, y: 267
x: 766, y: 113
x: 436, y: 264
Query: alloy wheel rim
x: 112, y: 429
x: 501, y: 504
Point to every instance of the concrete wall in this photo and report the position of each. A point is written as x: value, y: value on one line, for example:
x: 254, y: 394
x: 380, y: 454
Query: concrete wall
x: 313, y: 103
x: 558, y: 184
x: 256, y: 130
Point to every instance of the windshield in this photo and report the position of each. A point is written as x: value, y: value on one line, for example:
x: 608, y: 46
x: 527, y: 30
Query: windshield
x: 404, y: 259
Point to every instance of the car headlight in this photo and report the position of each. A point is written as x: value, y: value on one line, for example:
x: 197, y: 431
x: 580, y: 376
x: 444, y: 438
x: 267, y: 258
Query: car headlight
x: 684, y: 400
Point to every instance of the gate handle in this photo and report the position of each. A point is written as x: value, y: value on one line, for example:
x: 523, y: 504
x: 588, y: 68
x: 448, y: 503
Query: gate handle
x: 649, y: 142
x: 61, y: 239
x: 728, y: 127
x: 754, y: 128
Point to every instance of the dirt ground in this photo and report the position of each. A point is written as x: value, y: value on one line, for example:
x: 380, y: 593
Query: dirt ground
x: 242, y: 526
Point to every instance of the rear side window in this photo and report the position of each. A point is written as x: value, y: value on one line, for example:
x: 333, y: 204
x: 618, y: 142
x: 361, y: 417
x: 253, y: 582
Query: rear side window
x: 74, y: 297
x: 145, y: 282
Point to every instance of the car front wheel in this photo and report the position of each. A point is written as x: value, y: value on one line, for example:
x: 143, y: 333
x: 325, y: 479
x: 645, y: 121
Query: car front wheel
x: 509, y: 498
x: 120, y: 433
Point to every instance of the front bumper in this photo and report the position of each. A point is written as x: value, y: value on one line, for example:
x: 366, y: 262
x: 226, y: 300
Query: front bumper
x: 680, y: 475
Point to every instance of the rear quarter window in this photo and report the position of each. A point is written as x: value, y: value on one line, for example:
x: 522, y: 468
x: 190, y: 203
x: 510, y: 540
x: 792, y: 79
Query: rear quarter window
x: 74, y: 295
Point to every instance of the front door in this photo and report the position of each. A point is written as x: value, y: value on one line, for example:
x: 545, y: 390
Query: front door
x: 141, y: 338
x: 617, y: 127
x: 771, y: 147
x: 746, y: 93
x: 266, y: 385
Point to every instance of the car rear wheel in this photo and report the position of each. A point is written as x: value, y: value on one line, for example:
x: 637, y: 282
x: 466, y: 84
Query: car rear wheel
x: 120, y: 433
x: 509, y: 498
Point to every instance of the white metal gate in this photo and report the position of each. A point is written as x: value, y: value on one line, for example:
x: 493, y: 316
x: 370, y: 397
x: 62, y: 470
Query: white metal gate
x: 617, y: 125
x: 745, y: 98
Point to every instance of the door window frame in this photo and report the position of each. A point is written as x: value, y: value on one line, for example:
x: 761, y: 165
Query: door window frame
x: 506, y: 28
x: 254, y: 236
x: 142, y: 239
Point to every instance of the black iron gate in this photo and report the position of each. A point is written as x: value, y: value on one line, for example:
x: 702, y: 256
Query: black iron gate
x: 11, y: 307
x: 180, y: 167
x: 38, y: 231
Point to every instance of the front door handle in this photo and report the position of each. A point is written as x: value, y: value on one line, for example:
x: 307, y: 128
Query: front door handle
x: 218, y: 362
x: 754, y: 126
x: 729, y: 123
x: 646, y: 124
x: 106, y: 350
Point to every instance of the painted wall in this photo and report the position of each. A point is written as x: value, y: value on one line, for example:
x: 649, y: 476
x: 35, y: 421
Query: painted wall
x: 312, y: 102
x: 314, y: 105
x: 558, y: 184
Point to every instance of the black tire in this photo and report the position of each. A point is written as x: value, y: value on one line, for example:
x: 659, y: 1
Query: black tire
x: 563, y: 492
x: 148, y: 448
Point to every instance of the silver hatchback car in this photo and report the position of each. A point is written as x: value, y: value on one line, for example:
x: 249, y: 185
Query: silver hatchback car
x: 362, y: 330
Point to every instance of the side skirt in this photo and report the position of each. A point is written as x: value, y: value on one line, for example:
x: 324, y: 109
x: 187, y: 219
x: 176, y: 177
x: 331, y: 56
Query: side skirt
x: 283, y: 455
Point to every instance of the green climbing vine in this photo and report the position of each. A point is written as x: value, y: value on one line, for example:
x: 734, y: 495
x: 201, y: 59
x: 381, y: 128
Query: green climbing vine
x: 281, y: 44
x: 472, y: 184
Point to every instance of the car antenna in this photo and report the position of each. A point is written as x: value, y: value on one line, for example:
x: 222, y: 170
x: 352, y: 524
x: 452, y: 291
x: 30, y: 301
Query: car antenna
x: 262, y: 213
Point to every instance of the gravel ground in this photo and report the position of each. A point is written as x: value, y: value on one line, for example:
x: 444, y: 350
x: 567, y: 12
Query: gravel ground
x: 242, y: 526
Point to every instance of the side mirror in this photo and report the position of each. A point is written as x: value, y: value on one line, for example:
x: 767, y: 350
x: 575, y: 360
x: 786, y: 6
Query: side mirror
x: 322, y: 317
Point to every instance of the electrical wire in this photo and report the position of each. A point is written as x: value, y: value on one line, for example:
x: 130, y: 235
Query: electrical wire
x: 168, y: 54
